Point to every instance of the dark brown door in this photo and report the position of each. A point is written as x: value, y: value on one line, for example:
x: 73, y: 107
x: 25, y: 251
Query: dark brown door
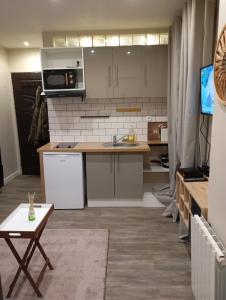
x: 24, y: 88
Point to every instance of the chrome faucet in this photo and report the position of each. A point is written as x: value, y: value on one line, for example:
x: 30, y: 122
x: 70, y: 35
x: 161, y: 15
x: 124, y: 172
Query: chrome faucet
x: 115, y: 140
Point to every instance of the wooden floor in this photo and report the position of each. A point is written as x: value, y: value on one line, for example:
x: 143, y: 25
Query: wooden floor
x: 145, y: 260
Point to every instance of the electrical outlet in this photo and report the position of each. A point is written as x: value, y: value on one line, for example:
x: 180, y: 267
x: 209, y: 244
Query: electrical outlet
x: 149, y: 118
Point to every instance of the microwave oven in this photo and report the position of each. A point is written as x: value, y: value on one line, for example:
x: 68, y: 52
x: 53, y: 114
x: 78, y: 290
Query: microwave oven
x: 59, y: 79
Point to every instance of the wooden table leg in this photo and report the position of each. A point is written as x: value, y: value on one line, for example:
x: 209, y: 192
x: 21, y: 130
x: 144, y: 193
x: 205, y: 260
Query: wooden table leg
x: 19, y: 269
x: 22, y: 266
x: 45, y: 256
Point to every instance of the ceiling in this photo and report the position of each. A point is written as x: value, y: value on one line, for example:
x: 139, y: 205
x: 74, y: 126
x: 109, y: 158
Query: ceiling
x: 25, y: 20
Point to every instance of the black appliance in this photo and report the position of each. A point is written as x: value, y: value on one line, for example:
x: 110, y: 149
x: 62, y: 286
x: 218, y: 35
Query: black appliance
x: 65, y: 145
x: 192, y: 174
x: 59, y: 79
x: 1, y: 172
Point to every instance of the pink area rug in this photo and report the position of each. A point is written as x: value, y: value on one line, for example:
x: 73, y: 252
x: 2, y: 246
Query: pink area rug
x: 79, y: 258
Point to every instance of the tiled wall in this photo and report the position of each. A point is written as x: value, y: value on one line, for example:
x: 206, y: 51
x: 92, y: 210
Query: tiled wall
x: 66, y: 124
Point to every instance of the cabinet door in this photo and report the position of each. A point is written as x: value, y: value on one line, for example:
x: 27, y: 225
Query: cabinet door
x: 100, y: 175
x: 127, y: 72
x: 155, y: 66
x: 129, y: 176
x: 98, y: 72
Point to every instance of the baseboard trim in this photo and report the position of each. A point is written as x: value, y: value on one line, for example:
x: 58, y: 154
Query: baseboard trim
x: 11, y: 177
x: 151, y: 202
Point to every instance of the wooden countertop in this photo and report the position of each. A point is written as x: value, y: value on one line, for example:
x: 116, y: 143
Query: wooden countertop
x: 198, y: 191
x: 95, y: 147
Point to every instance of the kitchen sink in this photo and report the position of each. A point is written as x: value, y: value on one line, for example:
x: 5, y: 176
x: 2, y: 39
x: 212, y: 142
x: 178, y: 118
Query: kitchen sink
x: 110, y: 144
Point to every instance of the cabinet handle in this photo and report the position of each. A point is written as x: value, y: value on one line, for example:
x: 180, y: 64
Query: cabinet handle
x: 118, y: 167
x: 109, y: 76
x: 117, y: 74
x: 111, y: 167
x: 146, y: 75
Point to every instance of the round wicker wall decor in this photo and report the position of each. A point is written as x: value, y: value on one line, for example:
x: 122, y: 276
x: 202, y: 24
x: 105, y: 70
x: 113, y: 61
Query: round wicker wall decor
x: 220, y: 67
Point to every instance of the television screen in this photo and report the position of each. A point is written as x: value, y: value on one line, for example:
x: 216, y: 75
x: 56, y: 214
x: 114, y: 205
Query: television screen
x: 207, y: 90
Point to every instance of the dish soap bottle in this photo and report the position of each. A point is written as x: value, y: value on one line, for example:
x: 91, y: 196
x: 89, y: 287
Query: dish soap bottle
x: 31, y: 210
x: 131, y: 135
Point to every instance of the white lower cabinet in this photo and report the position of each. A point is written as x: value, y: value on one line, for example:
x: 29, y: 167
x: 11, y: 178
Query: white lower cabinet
x: 63, y: 177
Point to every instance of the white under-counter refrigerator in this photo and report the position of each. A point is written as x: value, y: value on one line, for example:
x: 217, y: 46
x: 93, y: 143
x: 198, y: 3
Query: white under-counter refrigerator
x: 64, y: 180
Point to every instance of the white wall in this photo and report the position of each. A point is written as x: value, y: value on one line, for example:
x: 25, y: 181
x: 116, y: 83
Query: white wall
x: 24, y: 60
x: 8, y: 136
x: 217, y: 184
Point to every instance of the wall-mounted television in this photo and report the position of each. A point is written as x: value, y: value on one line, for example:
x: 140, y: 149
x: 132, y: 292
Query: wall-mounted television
x: 207, y: 90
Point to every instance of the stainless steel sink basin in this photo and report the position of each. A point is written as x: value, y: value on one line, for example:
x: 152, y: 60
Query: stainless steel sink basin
x: 110, y: 144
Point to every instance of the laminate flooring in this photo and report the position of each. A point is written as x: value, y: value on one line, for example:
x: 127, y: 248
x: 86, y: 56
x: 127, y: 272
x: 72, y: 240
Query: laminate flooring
x: 145, y: 260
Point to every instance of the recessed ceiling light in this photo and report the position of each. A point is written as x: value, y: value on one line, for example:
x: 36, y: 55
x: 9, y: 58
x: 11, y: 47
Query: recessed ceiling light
x: 92, y: 51
x: 128, y: 52
x: 26, y: 44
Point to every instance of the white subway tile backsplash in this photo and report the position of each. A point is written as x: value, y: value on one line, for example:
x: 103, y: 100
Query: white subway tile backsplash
x: 80, y: 126
x: 111, y: 132
x: 142, y: 124
x: 68, y: 138
x: 99, y: 132
x: 93, y: 138
x: 104, y: 125
x: 59, y: 107
x: 85, y: 106
x: 81, y: 138
x: 117, y: 125
x: 105, y: 138
x: 140, y: 131
x: 109, y: 106
x: 74, y: 132
x: 86, y: 132
x: 66, y: 100
x: 72, y: 107
x: 61, y: 132
x: 66, y: 113
x: 66, y: 124
x: 51, y: 120
x: 55, y: 138
x: 97, y: 106
x: 123, y: 131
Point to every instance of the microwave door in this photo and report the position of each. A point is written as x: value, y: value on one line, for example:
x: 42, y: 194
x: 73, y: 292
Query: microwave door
x: 59, y: 79
x: 55, y: 81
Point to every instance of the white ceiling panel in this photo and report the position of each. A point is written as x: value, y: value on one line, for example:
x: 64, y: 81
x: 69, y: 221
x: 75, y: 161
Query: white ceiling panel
x: 22, y: 20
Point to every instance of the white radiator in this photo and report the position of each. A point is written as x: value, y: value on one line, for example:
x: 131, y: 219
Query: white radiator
x: 208, y: 262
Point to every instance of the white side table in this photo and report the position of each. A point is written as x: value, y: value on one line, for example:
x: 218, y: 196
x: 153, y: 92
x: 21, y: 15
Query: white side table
x: 17, y: 225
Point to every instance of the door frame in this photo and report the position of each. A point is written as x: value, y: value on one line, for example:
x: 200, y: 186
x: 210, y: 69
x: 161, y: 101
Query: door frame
x: 15, y: 127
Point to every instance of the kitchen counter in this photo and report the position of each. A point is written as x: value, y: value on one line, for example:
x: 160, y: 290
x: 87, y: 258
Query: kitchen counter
x: 91, y: 147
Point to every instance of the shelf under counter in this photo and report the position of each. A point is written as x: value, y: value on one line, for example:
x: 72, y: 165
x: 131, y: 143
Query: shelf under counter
x: 157, y: 143
x: 156, y: 169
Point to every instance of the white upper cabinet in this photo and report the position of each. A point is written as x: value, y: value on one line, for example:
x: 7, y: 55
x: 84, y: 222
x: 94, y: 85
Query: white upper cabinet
x: 62, y: 70
x: 133, y: 71
x: 127, y: 71
x: 155, y: 69
x: 99, y: 72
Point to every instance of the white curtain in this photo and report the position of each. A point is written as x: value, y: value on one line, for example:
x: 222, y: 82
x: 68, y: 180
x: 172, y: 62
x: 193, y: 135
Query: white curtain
x: 167, y: 194
x: 186, y: 52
